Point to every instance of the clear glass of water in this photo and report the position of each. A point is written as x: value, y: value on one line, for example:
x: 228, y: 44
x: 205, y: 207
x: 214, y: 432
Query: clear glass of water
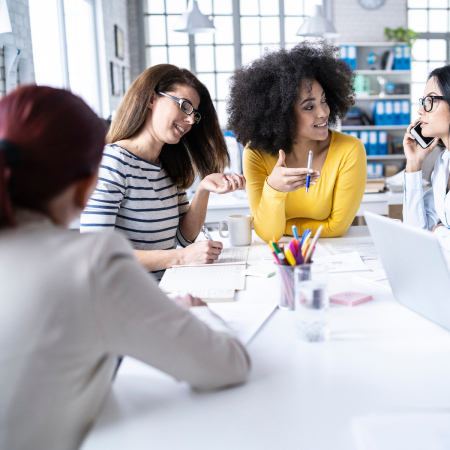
x: 311, y: 302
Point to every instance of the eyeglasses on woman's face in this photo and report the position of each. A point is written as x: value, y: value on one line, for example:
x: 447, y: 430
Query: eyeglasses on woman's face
x: 428, y: 101
x: 185, y: 106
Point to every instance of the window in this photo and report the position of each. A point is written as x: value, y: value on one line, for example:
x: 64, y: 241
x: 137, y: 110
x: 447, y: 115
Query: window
x: 430, y: 18
x: 262, y: 24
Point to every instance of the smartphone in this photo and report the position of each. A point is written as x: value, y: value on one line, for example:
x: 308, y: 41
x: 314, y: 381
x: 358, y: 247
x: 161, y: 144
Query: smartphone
x: 423, y: 141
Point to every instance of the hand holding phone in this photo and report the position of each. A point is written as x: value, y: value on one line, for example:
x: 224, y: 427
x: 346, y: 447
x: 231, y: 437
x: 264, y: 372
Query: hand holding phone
x: 417, y: 147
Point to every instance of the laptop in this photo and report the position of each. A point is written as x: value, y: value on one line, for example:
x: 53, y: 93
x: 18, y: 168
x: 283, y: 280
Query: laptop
x: 415, y: 266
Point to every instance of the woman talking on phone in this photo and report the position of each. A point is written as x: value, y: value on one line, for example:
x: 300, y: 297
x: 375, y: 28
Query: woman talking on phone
x: 430, y: 211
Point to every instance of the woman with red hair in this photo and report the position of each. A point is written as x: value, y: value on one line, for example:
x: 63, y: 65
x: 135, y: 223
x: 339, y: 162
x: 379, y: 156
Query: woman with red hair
x: 71, y: 303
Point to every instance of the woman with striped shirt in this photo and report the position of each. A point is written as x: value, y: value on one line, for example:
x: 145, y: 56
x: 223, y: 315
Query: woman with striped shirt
x: 165, y: 132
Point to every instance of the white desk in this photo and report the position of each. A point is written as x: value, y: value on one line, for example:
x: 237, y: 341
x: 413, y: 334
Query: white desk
x: 380, y: 357
x: 221, y: 206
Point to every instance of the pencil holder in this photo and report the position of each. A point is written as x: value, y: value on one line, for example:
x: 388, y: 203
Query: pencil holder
x: 287, y: 286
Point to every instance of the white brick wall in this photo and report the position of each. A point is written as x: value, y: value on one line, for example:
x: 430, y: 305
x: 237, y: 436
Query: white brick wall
x: 356, y: 24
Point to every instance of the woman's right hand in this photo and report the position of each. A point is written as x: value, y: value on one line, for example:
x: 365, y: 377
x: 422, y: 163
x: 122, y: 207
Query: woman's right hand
x: 284, y: 179
x: 415, y: 154
x: 201, y: 252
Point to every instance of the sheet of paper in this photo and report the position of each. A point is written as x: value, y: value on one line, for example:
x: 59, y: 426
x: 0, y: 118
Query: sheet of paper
x: 402, y: 431
x: 319, y: 252
x: 365, y: 248
x: 244, y: 319
x: 232, y: 255
x: 189, y: 279
x: 348, y: 262
x: 377, y: 277
x: 209, y: 295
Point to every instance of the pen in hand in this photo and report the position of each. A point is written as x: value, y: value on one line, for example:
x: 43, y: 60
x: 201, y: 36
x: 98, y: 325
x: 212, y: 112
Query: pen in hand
x: 308, y: 177
x: 206, y: 233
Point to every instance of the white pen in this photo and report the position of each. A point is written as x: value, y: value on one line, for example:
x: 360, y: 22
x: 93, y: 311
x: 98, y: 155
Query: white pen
x: 308, y: 177
x: 206, y: 233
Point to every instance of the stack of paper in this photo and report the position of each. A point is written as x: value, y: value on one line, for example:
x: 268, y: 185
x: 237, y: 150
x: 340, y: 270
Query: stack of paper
x: 364, y: 247
x: 347, y: 262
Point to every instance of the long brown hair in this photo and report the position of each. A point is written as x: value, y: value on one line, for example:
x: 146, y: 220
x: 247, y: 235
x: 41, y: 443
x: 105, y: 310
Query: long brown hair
x: 49, y: 138
x: 202, y: 150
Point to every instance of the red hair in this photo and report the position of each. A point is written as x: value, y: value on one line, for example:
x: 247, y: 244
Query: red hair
x: 59, y: 138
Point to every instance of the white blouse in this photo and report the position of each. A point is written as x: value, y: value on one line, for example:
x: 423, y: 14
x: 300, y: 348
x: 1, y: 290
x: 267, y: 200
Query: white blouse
x: 427, y: 210
x: 69, y: 304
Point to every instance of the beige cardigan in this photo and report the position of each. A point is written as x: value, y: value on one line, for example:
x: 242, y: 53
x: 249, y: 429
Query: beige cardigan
x: 69, y: 304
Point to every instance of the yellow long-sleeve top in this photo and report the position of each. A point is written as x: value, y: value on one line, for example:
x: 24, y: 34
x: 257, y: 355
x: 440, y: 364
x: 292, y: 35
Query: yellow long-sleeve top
x: 333, y: 202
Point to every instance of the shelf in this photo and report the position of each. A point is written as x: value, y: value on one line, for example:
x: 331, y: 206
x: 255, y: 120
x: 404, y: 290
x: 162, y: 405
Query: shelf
x: 373, y: 127
x: 371, y: 44
x: 383, y: 72
x: 384, y: 157
x: 385, y: 97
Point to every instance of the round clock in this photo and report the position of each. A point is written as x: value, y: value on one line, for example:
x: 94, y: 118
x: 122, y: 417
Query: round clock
x: 370, y: 4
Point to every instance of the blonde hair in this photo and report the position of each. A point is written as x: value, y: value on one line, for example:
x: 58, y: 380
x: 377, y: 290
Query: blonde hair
x: 201, y: 151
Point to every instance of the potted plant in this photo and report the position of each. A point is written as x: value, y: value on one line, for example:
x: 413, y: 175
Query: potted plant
x: 401, y: 34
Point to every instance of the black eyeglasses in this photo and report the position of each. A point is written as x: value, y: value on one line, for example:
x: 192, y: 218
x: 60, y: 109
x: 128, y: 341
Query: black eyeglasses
x: 185, y: 106
x: 428, y: 101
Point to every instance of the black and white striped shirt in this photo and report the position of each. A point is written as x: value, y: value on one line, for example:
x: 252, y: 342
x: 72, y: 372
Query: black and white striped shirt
x: 137, y: 198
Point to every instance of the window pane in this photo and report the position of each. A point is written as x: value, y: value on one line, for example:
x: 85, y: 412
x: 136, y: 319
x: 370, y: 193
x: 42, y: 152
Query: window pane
x: 175, y: 38
x: 157, y: 30
x: 293, y: 7
x: 419, y: 71
x: 269, y: 48
x: 204, y: 58
x: 310, y: 7
x: 176, y: 6
x: 438, y: 50
x: 223, y: 85
x: 205, y: 7
x: 157, y: 55
x: 224, y: 58
x: 437, y: 3
x: 224, y: 27
x: 250, y: 52
x: 291, y: 26
x: 417, y: 91
x: 434, y: 65
x: 420, y: 50
x: 222, y: 113
x: 417, y: 3
x: 268, y: 7
x: 204, y: 38
x: 270, y: 30
x: 155, y: 6
x: 209, y: 80
x: 417, y: 20
x: 179, y: 56
x: 438, y: 21
x: 223, y: 7
x: 250, y: 30
x: 249, y: 7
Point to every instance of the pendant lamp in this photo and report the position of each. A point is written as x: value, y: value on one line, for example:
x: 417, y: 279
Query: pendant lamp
x: 318, y: 25
x: 193, y: 21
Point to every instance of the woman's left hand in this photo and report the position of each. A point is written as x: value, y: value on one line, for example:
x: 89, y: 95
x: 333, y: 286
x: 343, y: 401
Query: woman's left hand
x: 219, y: 183
x: 440, y: 224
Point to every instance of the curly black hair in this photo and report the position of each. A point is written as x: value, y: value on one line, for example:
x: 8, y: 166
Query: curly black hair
x: 263, y: 93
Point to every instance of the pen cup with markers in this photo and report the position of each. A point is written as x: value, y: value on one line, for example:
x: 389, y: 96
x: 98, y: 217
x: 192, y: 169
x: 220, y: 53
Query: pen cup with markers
x: 287, y: 287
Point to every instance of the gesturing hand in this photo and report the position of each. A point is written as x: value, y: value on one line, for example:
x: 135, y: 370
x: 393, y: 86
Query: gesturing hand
x: 284, y: 179
x: 415, y: 154
x: 219, y: 183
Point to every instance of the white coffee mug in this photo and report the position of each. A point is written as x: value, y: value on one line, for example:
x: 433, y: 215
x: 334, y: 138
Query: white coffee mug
x: 239, y: 230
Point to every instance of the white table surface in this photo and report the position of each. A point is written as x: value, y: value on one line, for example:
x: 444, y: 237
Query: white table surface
x: 381, y: 357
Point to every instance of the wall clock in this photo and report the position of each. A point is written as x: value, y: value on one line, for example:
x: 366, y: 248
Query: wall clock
x: 370, y: 4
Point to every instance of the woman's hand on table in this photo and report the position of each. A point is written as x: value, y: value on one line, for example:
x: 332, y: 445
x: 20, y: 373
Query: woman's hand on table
x: 201, y: 252
x: 415, y: 154
x: 219, y: 183
x: 284, y: 179
x: 188, y: 301
x: 440, y: 224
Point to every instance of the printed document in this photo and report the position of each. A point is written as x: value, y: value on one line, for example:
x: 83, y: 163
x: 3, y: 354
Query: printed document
x: 232, y: 255
x: 365, y: 248
x: 347, y: 262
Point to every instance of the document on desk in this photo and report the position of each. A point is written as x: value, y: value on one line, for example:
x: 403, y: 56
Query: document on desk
x: 243, y: 319
x: 377, y: 277
x: 402, y: 431
x: 208, y: 278
x: 347, y: 262
x: 233, y: 255
x: 365, y: 248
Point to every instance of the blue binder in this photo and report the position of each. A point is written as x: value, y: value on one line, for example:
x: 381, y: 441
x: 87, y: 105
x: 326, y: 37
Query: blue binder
x: 389, y: 113
x: 398, y: 118
x: 406, y: 59
x: 406, y: 113
x: 378, y: 116
x: 373, y: 143
x: 364, y: 136
x: 382, y: 143
x: 343, y: 53
x: 351, y: 55
x: 398, y: 57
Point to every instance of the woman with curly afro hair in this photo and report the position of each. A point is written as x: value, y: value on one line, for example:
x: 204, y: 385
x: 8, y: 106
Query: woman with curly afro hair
x: 280, y: 107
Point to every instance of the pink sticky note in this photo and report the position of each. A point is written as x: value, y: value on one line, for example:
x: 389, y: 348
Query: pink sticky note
x: 350, y: 298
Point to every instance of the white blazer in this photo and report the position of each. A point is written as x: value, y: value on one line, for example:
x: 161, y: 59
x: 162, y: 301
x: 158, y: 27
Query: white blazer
x: 69, y: 304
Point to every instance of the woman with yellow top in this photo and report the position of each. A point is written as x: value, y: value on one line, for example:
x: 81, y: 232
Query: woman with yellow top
x: 280, y: 107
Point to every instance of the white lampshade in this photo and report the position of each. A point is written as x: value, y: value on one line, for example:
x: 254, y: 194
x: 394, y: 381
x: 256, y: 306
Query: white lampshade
x: 193, y: 21
x: 5, y: 23
x: 318, y: 25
